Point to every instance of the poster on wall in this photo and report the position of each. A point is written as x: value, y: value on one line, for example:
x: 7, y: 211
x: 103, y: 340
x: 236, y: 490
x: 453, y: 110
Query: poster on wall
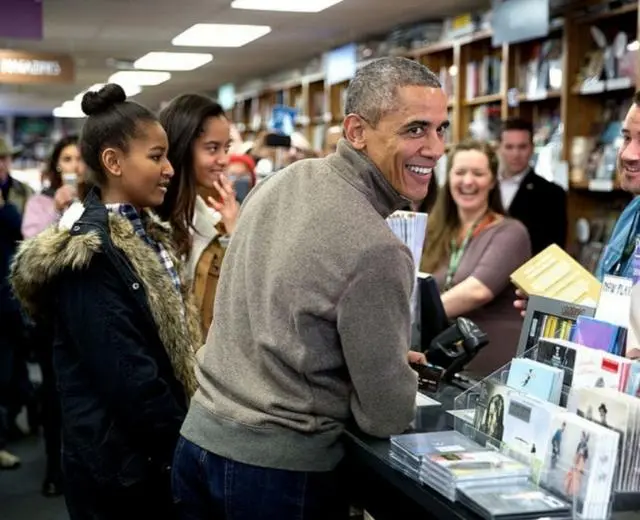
x: 33, y: 135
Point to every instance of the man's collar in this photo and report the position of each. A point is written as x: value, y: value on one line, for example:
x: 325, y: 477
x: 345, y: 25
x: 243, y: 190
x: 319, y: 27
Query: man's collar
x: 358, y: 169
x: 515, y: 179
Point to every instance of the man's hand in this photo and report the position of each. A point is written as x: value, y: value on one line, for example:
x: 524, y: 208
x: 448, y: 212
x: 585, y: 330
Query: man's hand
x: 63, y: 197
x: 417, y: 358
x: 521, y: 302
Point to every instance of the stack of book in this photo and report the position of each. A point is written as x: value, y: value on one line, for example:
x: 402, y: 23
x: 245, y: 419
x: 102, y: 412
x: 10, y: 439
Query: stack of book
x: 407, y: 451
x: 448, y: 460
x: 449, y: 472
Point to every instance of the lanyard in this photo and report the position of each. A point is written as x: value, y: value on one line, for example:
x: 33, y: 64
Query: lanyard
x: 457, y: 252
x: 629, y: 248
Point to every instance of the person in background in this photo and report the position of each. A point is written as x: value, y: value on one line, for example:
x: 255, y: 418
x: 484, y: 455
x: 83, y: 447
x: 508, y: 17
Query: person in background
x: 10, y: 329
x: 472, y: 248
x: 242, y: 174
x: 539, y: 204
x: 58, y: 192
x: 331, y: 138
x: 618, y: 255
x: 201, y: 203
x: 107, y: 278
x: 43, y: 210
x: 301, y: 344
x: 13, y: 191
x: 14, y: 382
x: 300, y: 149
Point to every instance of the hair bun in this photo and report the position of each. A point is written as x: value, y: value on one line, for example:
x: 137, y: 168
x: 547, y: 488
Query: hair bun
x: 96, y: 102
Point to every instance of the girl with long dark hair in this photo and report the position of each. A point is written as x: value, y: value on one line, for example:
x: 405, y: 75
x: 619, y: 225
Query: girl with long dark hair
x: 201, y: 203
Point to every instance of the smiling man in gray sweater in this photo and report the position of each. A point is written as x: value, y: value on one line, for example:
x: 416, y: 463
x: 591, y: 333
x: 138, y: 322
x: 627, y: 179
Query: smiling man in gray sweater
x: 311, y: 324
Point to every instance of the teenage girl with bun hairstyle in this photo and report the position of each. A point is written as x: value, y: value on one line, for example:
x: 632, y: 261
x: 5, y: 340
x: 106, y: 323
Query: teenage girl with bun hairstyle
x: 107, y: 278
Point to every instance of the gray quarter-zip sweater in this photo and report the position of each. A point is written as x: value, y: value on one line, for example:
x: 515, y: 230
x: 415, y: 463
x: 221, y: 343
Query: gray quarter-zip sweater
x: 311, y: 322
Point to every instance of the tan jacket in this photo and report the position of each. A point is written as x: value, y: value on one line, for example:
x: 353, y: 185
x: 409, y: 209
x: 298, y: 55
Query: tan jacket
x: 205, y: 261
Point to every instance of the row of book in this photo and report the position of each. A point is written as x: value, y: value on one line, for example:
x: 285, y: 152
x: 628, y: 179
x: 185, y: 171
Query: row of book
x: 584, y: 330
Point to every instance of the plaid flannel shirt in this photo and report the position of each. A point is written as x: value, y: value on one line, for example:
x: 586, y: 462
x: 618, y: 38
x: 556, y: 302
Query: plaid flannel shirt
x: 131, y: 214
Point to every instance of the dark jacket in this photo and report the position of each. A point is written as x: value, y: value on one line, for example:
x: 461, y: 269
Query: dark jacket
x: 123, y: 354
x: 15, y: 195
x: 10, y: 235
x: 542, y: 207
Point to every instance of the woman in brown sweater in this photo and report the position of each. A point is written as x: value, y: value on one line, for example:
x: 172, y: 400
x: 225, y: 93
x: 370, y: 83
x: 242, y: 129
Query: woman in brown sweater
x: 472, y: 248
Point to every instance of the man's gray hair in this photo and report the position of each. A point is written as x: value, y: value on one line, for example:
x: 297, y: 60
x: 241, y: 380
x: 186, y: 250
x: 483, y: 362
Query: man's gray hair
x: 373, y: 90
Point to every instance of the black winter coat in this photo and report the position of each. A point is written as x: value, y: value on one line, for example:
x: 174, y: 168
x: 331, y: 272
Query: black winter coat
x: 123, y: 353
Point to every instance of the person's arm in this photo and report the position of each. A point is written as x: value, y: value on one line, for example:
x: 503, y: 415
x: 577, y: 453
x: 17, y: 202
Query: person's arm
x: 116, y: 355
x: 508, y: 250
x: 469, y: 295
x: 374, y: 324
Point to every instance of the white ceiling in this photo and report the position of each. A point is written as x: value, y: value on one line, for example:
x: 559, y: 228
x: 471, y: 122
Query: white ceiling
x: 95, y: 31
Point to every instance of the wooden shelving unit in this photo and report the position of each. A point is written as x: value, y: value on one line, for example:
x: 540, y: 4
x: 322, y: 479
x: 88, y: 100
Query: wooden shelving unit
x: 569, y: 102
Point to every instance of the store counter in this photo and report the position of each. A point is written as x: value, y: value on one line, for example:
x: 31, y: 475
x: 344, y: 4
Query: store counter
x: 386, y: 493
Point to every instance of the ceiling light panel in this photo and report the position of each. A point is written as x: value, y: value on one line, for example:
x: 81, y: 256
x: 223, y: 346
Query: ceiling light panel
x: 292, y: 6
x: 172, y: 61
x: 143, y: 78
x: 130, y: 90
x: 220, y: 35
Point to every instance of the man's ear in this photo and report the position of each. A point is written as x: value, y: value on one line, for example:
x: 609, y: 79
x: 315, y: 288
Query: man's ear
x: 355, y: 131
x: 110, y: 158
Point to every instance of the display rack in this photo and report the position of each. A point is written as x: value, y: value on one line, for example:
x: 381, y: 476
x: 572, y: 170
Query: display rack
x: 549, y: 318
x: 471, y: 401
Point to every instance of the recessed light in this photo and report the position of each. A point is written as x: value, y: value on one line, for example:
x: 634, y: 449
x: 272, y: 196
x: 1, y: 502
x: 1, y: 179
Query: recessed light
x: 220, y: 35
x: 172, y: 61
x: 293, y: 6
x: 69, y: 110
x: 144, y: 78
x: 92, y: 88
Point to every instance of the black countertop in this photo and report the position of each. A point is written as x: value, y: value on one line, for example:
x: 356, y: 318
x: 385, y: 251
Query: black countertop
x: 387, y: 493
x: 370, y: 458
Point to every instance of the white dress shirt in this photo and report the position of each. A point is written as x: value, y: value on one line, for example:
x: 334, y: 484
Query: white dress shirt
x: 509, y: 186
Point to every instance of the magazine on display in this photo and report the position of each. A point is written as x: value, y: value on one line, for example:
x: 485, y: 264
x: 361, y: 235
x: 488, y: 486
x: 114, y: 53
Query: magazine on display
x: 618, y: 412
x: 581, y: 464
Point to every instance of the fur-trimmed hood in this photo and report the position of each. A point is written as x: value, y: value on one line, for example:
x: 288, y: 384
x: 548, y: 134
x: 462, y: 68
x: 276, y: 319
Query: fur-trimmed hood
x: 40, y: 260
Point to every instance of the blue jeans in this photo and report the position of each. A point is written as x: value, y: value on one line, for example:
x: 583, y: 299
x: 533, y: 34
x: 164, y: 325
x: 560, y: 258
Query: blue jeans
x: 209, y: 487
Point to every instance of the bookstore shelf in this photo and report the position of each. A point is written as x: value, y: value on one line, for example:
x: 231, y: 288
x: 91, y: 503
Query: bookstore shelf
x: 630, y: 8
x: 483, y: 100
x: 539, y: 96
x: 567, y: 101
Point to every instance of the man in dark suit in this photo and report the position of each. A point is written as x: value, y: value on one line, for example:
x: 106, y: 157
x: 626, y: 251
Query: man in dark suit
x: 539, y: 204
